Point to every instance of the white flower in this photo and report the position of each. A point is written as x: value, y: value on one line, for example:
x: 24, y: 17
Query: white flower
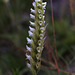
x: 34, y: 4
x: 28, y: 48
x: 39, y: 49
x: 38, y: 4
x: 40, y: 16
x: 29, y: 65
x: 30, y: 33
x: 33, y: 11
x: 44, y: 4
x: 40, y: 22
x: 29, y: 40
x: 39, y: 11
x: 32, y: 23
x: 32, y: 16
x: 42, y: 29
x: 28, y: 57
x: 31, y: 29
x: 41, y: 36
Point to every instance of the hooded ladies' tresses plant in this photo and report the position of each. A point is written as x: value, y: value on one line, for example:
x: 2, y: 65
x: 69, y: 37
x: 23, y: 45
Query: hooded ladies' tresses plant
x: 36, y: 34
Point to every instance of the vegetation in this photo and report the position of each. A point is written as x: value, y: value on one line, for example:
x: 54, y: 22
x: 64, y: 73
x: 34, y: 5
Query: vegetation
x: 58, y: 56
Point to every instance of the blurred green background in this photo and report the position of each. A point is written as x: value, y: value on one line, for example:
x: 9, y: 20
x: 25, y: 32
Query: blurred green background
x: 14, y: 26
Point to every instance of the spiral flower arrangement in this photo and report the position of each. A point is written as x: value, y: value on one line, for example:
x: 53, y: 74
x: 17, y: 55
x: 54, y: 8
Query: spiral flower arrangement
x: 37, y: 36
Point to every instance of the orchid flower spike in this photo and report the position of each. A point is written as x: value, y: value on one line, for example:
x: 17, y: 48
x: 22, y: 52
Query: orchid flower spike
x: 37, y: 36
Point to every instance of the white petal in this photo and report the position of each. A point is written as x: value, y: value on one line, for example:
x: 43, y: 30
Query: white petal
x: 44, y: 4
x: 44, y: 21
x: 28, y: 48
x: 29, y: 66
x: 32, y: 16
x: 33, y: 11
x: 31, y: 29
x: 32, y: 23
x: 34, y: 4
x: 37, y: 0
x: 30, y: 33
x: 29, y: 40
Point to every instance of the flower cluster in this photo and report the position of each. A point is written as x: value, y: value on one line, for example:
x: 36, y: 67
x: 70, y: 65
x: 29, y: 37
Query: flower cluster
x: 36, y: 34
